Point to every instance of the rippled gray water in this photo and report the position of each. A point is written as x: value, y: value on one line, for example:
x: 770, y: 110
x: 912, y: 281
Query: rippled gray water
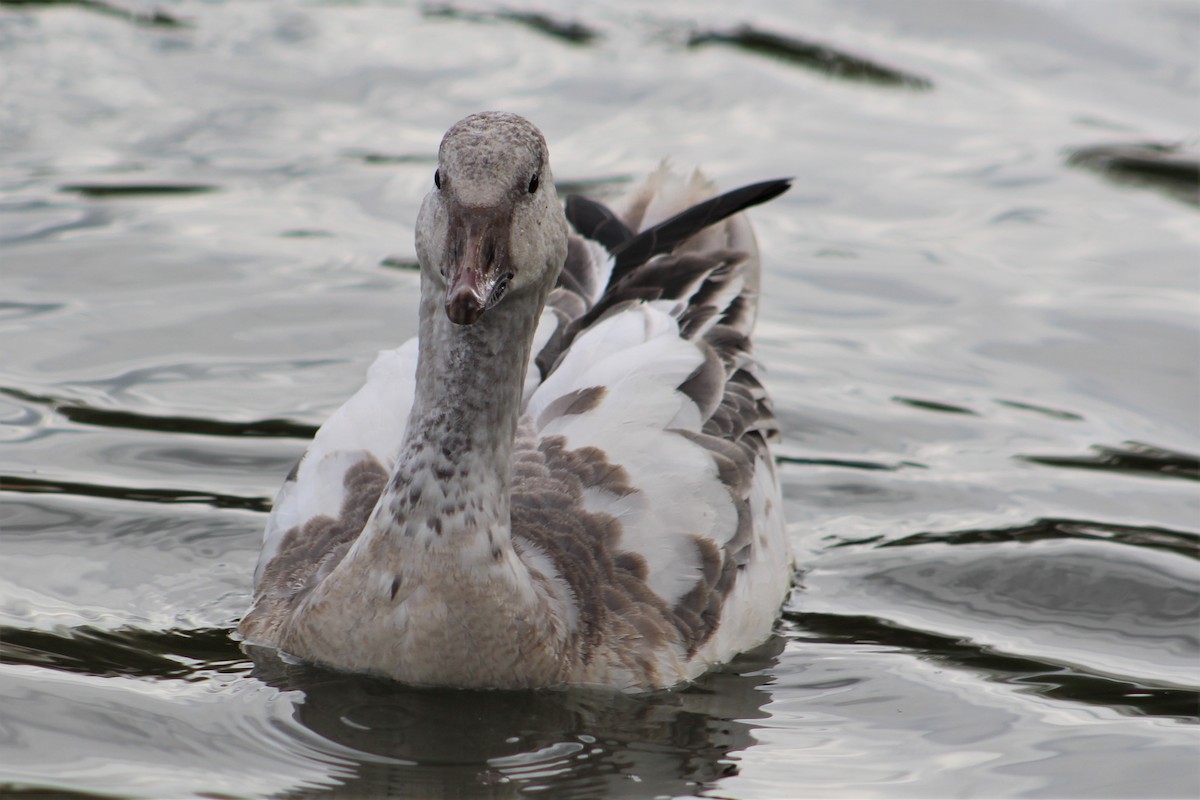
x: 981, y: 327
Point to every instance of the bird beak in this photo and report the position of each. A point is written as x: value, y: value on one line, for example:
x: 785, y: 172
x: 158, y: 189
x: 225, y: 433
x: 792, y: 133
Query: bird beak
x: 482, y: 256
x: 467, y: 294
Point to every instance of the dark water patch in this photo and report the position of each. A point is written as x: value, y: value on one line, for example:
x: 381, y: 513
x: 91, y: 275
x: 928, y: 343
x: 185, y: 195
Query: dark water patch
x: 934, y: 405
x: 402, y: 264
x: 269, y: 428
x: 1165, y: 167
x: 567, y: 30
x: 10, y: 791
x: 27, y: 485
x: 155, y: 19
x: 563, y: 30
x: 1054, y: 413
x: 1134, y: 458
x: 188, y: 655
x: 132, y: 420
x: 567, y: 743
x: 13, y: 310
x: 838, y: 542
x: 1046, y: 679
x: 377, y: 158
x: 591, y: 186
x: 119, y: 190
x: 810, y: 55
x: 1147, y: 536
x: 848, y: 463
x: 307, y: 233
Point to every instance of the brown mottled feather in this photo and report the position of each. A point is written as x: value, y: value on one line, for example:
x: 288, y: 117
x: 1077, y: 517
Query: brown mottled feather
x: 548, y: 516
x: 308, y: 553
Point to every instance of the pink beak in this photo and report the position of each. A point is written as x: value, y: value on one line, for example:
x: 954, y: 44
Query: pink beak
x: 483, y: 258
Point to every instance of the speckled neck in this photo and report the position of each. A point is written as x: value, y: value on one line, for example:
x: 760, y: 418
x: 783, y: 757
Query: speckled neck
x: 451, y: 484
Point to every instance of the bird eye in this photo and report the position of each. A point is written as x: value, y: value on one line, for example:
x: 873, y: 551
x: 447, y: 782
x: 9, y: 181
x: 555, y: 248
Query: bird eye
x: 501, y: 288
x: 533, y: 183
x: 437, y: 178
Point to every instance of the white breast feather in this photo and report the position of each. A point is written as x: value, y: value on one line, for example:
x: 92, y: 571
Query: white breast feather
x: 547, y: 325
x: 369, y: 425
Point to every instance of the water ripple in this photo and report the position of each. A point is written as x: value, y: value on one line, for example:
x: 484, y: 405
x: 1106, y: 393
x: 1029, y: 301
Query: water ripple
x: 25, y: 484
x: 1134, y: 458
x: 821, y: 58
x: 132, y: 420
x: 1042, y: 677
x: 188, y: 655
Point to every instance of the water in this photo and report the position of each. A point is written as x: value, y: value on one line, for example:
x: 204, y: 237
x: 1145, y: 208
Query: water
x: 983, y: 351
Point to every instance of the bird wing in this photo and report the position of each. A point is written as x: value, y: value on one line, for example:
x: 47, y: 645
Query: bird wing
x: 642, y: 472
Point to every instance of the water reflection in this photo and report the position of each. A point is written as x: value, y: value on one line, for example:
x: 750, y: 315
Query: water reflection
x: 1133, y: 457
x: 188, y: 655
x: 156, y: 18
x: 565, y: 30
x: 1167, y: 167
x: 822, y: 58
x: 576, y: 743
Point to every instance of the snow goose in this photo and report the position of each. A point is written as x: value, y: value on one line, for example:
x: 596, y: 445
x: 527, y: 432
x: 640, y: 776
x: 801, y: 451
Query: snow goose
x: 566, y: 478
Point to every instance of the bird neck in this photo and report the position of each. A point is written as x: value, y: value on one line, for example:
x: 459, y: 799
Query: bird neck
x: 451, y: 484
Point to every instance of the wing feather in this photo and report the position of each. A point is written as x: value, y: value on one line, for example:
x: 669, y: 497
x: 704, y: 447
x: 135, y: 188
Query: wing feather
x: 654, y: 377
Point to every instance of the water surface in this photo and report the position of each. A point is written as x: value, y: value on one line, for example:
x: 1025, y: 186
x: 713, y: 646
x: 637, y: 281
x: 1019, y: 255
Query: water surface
x: 980, y: 327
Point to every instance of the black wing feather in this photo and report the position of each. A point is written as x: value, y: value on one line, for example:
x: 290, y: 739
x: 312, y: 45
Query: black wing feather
x: 662, y: 238
x: 596, y: 222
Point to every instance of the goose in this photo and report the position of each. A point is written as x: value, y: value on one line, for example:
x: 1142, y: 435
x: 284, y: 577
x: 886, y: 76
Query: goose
x: 566, y: 478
